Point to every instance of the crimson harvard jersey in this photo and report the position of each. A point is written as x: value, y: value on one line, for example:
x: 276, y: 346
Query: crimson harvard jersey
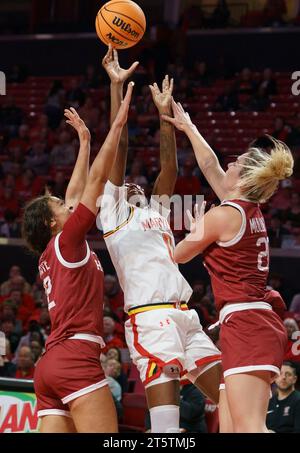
x: 74, y: 292
x: 239, y: 268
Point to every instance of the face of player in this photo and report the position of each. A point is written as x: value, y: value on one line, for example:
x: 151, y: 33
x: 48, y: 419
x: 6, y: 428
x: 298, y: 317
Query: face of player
x: 287, y: 379
x: 60, y: 213
x: 136, y: 195
x: 233, y: 172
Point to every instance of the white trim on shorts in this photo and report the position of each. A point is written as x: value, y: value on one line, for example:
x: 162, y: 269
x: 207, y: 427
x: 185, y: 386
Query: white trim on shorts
x: 88, y: 337
x: 222, y: 387
x: 231, y: 308
x: 241, y: 233
x: 45, y: 412
x: 67, y: 263
x: 245, y: 369
x: 84, y: 391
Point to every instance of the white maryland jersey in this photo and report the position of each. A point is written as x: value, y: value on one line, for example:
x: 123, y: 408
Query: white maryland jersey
x: 141, y: 245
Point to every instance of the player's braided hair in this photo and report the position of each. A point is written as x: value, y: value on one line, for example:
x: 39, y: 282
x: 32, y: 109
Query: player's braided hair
x: 36, y: 229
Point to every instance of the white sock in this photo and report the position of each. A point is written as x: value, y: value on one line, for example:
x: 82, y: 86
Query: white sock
x: 165, y: 419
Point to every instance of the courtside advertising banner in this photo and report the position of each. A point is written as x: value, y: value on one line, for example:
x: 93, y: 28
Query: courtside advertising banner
x: 18, y: 412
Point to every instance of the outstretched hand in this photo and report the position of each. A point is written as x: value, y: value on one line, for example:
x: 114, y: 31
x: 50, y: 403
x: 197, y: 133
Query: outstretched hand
x: 121, y: 118
x: 77, y: 123
x: 181, y: 120
x: 163, y: 99
x: 196, y: 221
x: 111, y: 65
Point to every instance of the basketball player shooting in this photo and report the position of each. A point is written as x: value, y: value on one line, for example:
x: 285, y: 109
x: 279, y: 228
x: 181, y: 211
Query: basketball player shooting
x: 233, y: 240
x: 72, y: 391
x: 164, y: 337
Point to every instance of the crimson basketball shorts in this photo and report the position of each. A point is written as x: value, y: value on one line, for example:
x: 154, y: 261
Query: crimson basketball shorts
x: 68, y: 370
x: 168, y: 343
x: 251, y: 340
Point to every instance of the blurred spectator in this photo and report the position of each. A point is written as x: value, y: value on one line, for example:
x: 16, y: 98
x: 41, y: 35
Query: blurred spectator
x: 8, y: 202
x: 259, y: 102
x: 220, y: 16
x: 245, y: 83
x: 136, y: 175
x: 291, y: 216
x: 293, y: 241
x: 10, y: 114
x: 63, y: 154
x: 21, y: 140
x: 268, y: 83
x: 114, y: 369
x: 280, y: 130
x: 33, y: 335
x: 75, y: 96
x: 114, y: 293
x: 200, y: 75
x: 294, y: 136
x: 7, y: 368
x: 192, y: 17
x: 273, y: 12
x: 55, y: 103
x: 38, y: 159
x: 8, y: 327
x: 283, y: 414
x: 8, y: 310
x: 89, y: 113
x: 227, y: 101
x: 13, y: 282
x: 293, y: 332
x: 58, y: 186
x: 111, y: 337
x: 276, y: 232
x: 192, y: 410
x: 37, y: 349
x: 10, y: 228
x: 114, y: 353
x: 25, y: 364
x: 91, y: 80
x: 187, y: 183
x: 295, y: 306
x: 115, y: 387
x: 17, y: 74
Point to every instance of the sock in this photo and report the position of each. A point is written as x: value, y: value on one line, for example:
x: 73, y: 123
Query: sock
x: 164, y: 419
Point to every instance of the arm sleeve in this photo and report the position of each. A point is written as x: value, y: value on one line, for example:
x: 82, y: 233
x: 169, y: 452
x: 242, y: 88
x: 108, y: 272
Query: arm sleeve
x: 114, y: 209
x: 72, y: 243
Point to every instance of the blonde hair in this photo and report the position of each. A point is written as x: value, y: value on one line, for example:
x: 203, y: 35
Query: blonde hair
x: 262, y: 171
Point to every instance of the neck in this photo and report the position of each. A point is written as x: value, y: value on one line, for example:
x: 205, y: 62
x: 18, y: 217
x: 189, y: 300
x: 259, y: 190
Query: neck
x: 233, y: 195
x: 282, y: 394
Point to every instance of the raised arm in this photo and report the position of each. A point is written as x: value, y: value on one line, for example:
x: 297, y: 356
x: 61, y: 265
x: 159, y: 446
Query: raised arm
x: 105, y: 159
x: 80, y: 173
x: 206, y: 158
x: 166, y: 180
x: 117, y: 77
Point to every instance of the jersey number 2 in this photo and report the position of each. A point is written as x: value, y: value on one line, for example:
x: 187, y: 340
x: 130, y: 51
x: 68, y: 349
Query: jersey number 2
x: 48, y: 288
x: 263, y: 256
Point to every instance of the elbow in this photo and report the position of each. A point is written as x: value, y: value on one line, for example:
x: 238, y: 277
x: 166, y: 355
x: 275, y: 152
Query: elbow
x: 179, y: 258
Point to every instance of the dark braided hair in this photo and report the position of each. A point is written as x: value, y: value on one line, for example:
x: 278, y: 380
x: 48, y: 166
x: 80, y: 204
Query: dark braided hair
x: 36, y: 229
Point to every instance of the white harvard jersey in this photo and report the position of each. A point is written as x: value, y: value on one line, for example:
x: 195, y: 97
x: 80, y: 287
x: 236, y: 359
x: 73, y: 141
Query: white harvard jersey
x: 141, y: 246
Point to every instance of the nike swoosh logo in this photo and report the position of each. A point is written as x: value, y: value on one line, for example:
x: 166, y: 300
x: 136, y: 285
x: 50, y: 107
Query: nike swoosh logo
x: 269, y: 412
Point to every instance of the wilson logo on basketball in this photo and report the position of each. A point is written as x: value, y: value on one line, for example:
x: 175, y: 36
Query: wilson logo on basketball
x: 125, y: 27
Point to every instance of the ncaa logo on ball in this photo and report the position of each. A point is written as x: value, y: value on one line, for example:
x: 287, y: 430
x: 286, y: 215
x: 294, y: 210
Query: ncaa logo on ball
x: 115, y: 40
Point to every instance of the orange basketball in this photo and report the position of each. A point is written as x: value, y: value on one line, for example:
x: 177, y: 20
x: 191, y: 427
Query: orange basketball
x: 120, y: 23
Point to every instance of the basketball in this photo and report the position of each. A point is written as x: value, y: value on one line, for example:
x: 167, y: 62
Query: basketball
x: 121, y: 24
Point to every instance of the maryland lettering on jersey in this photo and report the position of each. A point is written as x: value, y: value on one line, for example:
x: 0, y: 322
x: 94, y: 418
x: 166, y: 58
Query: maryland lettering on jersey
x: 257, y: 225
x: 155, y: 223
